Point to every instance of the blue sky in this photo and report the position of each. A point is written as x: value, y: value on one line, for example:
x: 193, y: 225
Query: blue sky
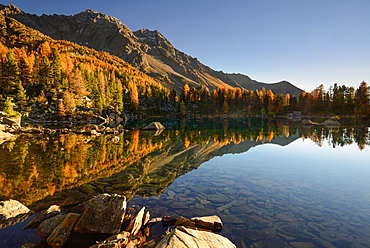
x: 306, y: 42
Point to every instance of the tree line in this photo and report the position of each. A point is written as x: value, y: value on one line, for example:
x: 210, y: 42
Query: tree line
x: 60, y: 78
x: 337, y: 100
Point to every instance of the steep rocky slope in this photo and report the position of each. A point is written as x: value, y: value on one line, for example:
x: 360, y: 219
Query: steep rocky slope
x: 147, y: 50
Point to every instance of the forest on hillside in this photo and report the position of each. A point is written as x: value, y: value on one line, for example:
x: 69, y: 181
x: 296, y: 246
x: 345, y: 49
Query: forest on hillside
x: 60, y: 78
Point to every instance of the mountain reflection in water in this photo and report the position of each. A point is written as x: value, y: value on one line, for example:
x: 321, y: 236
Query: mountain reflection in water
x: 63, y: 169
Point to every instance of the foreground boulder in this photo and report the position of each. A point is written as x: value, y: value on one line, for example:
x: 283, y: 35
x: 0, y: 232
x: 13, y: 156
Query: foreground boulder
x: 11, y: 211
x: 102, y: 214
x: 154, y: 126
x: 48, y: 226
x: 189, y: 237
x: 88, y: 225
x: 43, y: 215
x: 61, y: 233
x: 136, y: 223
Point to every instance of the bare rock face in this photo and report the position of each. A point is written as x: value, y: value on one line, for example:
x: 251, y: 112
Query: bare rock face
x: 188, y: 237
x: 11, y: 210
x: 61, y: 233
x: 95, y: 218
x: 89, y: 28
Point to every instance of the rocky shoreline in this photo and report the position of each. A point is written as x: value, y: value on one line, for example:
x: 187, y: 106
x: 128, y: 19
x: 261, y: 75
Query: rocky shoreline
x: 105, y: 221
x: 11, y: 126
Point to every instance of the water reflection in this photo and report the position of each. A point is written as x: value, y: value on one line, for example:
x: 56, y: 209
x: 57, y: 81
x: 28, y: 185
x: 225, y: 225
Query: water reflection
x: 288, y: 192
x: 33, y: 167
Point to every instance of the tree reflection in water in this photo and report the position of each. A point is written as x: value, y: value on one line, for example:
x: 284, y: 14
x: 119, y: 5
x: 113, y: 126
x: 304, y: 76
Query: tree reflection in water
x: 33, y: 167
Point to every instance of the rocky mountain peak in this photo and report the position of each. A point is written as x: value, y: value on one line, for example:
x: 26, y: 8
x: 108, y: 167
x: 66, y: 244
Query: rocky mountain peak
x: 148, y: 37
x: 90, y: 15
x: 152, y: 38
x: 147, y: 50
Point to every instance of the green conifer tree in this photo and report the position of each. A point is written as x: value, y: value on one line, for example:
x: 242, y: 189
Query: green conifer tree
x: 56, y: 68
x: 8, y: 108
x: 10, y: 74
x: 22, y: 97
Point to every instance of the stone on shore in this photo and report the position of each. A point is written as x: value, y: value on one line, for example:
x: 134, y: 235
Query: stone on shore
x: 331, y: 122
x: 182, y: 221
x: 136, y: 223
x: 118, y: 240
x: 189, y: 237
x: 61, y: 233
x: 308, y: 122
x: 12, y: 121
x: 154, y: 126
x: 212, y: 223
x: 4, y: 136
x: 43, y: 215
x: 47, y: 226
x: 11, y: 211
x: 103, y: 214
x: 31, y: 245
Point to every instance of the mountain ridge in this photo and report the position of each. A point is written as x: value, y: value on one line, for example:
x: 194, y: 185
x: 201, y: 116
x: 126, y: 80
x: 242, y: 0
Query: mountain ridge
x: 146, y: 50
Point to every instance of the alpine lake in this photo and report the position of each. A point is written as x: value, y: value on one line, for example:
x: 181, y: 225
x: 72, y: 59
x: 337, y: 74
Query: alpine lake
x: 273, y: 183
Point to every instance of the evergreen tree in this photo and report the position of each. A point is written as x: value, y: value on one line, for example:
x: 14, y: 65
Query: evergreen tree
x: 182, y: 108
x: 10, y: 74
x: 173, y: 96
x: 22, y: 97
x: 25, y: 71
x: 56, y: 68
x: 8, y: 108
x: 45, y: 74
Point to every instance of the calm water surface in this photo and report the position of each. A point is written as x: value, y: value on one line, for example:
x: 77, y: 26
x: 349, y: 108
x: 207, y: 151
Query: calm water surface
x: 300, y: 195
x: 272, y: 187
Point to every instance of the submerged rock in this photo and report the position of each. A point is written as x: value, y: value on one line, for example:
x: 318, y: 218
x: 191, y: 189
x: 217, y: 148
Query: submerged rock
x: 188, y: 237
